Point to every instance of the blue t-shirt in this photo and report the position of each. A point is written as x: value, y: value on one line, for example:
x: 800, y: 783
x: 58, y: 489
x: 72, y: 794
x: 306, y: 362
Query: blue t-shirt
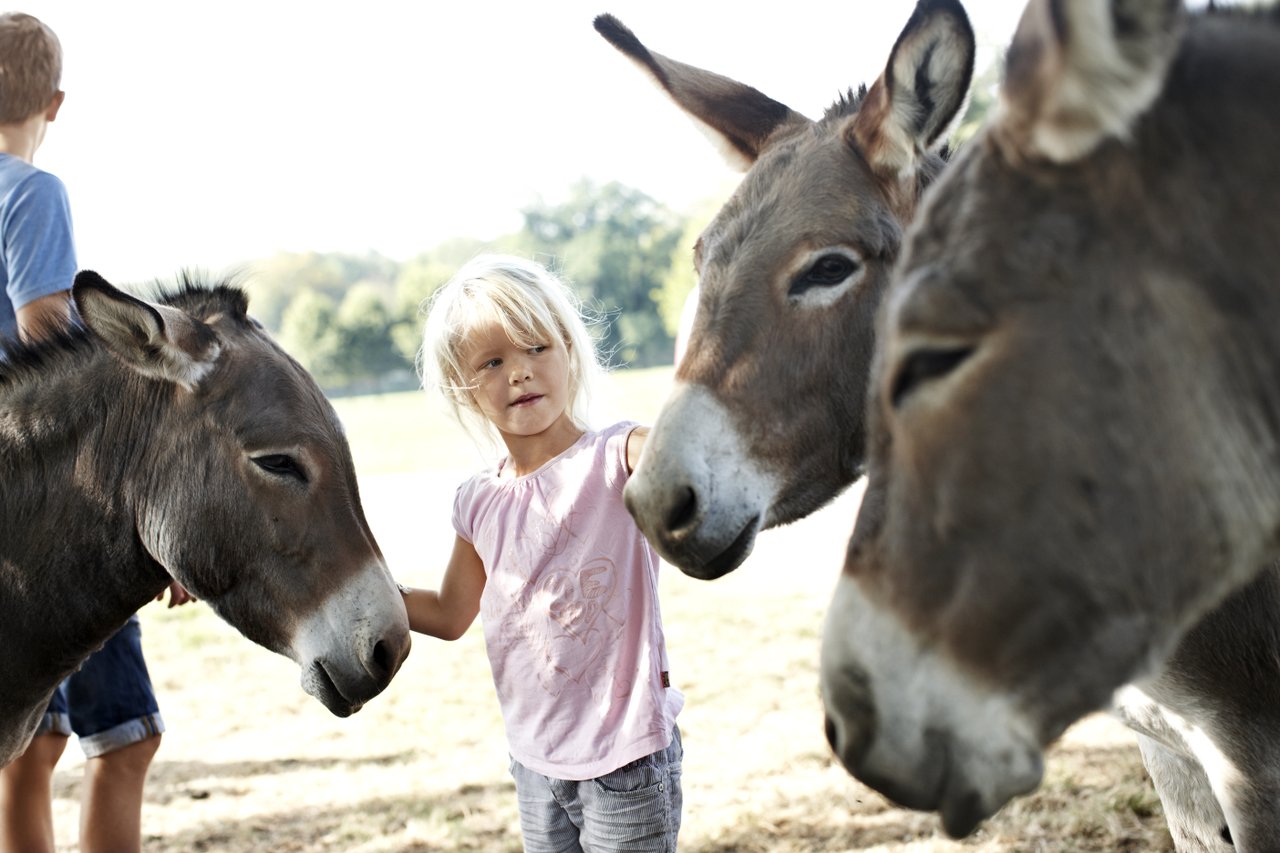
x: 37, y: 246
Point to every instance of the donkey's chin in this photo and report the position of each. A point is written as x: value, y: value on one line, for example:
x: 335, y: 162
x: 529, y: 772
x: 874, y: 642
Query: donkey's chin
x: 906, y: 720
x: 317, y: 681
x: 944, y: 775
x: 709, y: 563
x: 943, y: 786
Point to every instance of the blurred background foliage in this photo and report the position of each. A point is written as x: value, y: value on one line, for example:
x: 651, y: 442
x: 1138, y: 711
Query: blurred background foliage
x: 355, y: 321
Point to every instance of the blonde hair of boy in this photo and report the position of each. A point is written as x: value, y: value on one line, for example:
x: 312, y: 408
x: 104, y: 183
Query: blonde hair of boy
x: 30, y: 67
x: 532, y: 305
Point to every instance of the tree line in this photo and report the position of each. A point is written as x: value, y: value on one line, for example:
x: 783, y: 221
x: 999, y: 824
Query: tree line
x: 355, y: 321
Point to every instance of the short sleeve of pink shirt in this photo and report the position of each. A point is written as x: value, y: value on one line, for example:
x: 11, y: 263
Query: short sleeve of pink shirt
x: 570, y: 611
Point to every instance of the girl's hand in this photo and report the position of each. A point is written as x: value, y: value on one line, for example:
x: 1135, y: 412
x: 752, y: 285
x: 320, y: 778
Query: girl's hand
x: 178, y: 595
x: 635, y: 443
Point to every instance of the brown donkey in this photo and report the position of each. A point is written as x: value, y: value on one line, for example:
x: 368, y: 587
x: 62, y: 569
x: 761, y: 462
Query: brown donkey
x: 1074, y: 425
x: 176, y: 440
x: 1216, y: 671
x: 791, y: 274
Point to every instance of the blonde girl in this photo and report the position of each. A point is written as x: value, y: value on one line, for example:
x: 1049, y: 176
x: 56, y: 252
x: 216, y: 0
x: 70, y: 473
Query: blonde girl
x: 547, y: 555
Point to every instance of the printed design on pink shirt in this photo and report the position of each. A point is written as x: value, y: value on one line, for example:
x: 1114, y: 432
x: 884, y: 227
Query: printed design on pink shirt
x: 572, y: 618
x: 554, y: 539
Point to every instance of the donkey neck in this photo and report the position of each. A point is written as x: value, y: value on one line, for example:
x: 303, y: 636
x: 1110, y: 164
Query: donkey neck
x: 72, y: 567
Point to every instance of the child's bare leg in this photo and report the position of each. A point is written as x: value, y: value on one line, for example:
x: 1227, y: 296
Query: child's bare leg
x: 26, y: 797
x: 111, y: 806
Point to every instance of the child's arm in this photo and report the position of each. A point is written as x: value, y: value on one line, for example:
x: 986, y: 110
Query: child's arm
x: 635, y: 443
x: 448, y: 614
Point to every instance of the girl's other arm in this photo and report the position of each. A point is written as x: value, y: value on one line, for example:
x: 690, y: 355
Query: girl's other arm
x: 635, y: 443
x: 448, y: 613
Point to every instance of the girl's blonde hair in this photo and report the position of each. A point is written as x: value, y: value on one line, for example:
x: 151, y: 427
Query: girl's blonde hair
x: 533, y: 307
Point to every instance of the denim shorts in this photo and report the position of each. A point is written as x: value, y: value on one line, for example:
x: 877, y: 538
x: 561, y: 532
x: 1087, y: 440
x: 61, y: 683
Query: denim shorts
x: 636, y: 808
x: 108, y: 702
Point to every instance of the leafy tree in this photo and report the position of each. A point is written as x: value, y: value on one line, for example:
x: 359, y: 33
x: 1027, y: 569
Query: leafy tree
x: 353, y: 319
x: 682, y: 277
x: 273, y: 283
x: 366, y: 350
x: 614, y: 245
x: 418, y: 280
x: 308, y: 333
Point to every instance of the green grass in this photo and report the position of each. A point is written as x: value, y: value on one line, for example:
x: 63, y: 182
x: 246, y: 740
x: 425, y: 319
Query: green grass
x: 405, y: 431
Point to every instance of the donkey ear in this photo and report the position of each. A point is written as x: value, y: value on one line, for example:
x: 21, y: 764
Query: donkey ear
x: 922, y: 92
x: 740, y: 121
x: 1082, y: 71
x: 157, y: 341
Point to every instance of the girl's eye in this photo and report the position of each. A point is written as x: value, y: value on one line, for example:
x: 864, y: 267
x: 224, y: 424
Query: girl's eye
x: 539, y: 348
x: 491, y: 363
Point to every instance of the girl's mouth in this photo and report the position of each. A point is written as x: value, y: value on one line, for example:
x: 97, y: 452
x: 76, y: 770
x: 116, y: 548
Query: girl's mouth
x: 526, y: 399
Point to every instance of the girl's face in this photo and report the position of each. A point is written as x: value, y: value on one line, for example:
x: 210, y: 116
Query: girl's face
x: 523, y: 391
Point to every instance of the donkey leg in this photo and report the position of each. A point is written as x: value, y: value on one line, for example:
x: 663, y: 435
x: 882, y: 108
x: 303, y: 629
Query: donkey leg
x: 1191, y: 809
x: 1241, y: 756
x: 1211, y: 718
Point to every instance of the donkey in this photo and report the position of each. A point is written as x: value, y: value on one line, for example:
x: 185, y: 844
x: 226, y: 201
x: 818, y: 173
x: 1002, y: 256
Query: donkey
x: 791, y: 274
x: 175, y: 440
x: 683, y: 492
x: 1074, y: 425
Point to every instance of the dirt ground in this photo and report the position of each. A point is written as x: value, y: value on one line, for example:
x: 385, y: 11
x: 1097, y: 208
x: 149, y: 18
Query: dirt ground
x: 251, y: 763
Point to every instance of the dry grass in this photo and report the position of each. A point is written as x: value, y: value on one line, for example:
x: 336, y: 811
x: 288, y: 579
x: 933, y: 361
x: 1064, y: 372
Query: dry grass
x: 250, y: 763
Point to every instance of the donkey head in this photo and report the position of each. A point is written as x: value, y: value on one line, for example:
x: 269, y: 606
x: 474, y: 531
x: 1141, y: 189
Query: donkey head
x: 1072, y: 413
x: 240, y: 482
x: 765, y: 423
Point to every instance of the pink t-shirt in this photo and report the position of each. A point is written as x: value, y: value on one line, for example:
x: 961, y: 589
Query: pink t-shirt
x: 570, y: 611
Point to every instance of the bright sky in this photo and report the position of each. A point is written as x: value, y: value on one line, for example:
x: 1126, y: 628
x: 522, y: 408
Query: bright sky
x: 203, y: 135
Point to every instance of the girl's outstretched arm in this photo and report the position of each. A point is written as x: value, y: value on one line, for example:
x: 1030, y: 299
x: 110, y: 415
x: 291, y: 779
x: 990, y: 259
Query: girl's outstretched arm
x: 635, y: 443
x: 448, y: 613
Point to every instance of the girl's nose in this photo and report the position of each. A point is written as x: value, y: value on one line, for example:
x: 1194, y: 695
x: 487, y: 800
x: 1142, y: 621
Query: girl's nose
x: 519, y: 371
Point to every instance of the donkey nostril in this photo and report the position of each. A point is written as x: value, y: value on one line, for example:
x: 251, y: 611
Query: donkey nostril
x: 847, y: 698
x: 382, y: 661
x: 683, y: 513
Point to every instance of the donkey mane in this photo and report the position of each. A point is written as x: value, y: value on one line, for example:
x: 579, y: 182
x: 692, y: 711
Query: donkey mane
x: 20, y: 361
x: 846, y: 104
x: 850, y: 102
x: 203, y: 299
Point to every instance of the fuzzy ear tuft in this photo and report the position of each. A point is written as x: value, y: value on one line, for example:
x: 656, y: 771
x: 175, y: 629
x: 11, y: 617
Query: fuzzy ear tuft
x: 922, y: 92
x: 1083, y: 71
x: 157, y: 341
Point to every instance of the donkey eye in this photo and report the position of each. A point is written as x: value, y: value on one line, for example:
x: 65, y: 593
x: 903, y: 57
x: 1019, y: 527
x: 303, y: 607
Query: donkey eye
x: 827, y: 271
x: 281, y: 465
x: 925, y: 365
